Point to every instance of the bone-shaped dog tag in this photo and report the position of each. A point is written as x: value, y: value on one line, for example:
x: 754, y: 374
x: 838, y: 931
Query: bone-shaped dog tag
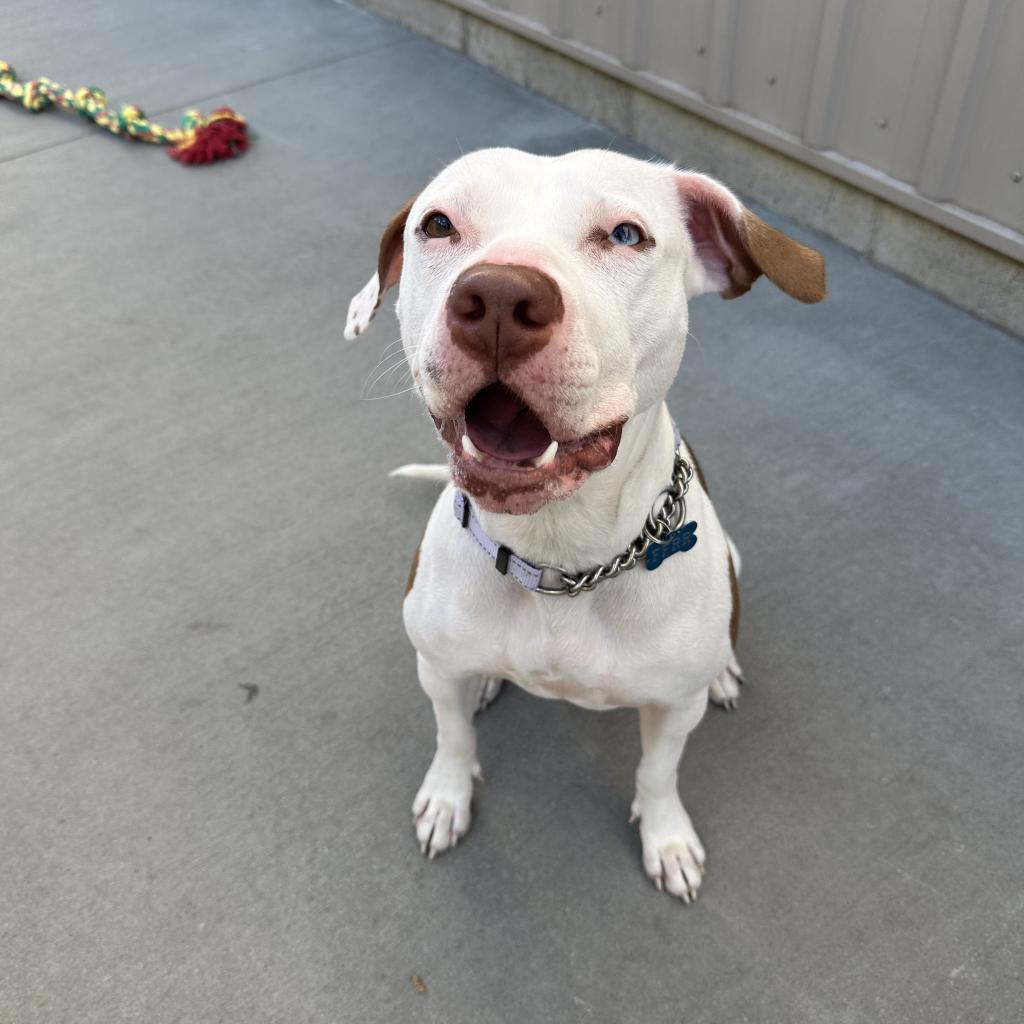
x: 681, y: 539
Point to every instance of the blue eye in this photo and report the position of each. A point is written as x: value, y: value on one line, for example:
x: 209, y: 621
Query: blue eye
x: 626, y: 234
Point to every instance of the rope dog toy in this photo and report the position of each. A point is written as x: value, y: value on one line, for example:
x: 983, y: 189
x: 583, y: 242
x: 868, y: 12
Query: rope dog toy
x: 199, y: 140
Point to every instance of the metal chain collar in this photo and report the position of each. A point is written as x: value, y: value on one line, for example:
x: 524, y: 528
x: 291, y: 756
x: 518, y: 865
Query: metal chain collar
x: 659, y: 525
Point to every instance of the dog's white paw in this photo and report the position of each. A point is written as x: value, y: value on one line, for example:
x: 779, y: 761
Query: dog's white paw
x: 441, y: 809
x: 673, y: 855
x: 725, y: 690
x: 484, y: 692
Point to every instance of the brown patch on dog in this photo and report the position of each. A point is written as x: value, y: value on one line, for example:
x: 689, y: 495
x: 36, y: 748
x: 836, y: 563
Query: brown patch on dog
x: 389, y: 256
x: 696, y: 466
x: 412, y: 570
x: 494, y: 493
x: 797, y: 269
x: 734, y: 618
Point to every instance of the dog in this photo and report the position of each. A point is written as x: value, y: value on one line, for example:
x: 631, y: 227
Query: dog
x: 575, y: 551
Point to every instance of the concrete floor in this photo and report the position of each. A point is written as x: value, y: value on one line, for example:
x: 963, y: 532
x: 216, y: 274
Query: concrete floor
x: 194, y: 504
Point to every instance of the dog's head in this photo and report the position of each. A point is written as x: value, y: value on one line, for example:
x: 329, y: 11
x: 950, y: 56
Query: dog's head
x: 543, y: 302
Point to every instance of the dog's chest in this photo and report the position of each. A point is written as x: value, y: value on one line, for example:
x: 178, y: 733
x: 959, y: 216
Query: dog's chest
x: 643, y: 637
x: 591, y: 651
x: 556, y: 671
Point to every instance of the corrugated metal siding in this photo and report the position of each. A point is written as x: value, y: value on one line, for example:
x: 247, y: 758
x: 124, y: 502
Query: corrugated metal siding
x: 920, y: 101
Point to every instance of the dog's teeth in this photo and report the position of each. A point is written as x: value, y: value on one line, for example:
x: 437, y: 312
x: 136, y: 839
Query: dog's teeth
x: 471, y: 449
x: 547, y: 456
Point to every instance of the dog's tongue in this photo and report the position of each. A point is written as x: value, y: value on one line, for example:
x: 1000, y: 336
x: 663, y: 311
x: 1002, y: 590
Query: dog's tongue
x: 502, y: 425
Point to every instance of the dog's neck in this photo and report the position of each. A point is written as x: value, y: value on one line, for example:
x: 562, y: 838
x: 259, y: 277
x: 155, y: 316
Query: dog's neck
x: 600, y: 519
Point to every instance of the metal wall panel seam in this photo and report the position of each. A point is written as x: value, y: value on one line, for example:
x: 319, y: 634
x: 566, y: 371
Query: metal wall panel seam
x: 724, y: 14
x: 831, y: 68
x: 962, y: 93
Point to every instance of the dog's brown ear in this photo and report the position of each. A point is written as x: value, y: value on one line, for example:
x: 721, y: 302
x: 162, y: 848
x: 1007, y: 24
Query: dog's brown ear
x: 735, y: 247
x: 366, y: 302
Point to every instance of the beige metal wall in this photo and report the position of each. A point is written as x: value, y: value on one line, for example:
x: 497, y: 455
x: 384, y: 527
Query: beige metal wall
x: 918, y: 101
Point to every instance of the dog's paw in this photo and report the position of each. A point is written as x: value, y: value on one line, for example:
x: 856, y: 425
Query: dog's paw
x: 441, y: 809
x: 673, y: 855
x: 725, y: 690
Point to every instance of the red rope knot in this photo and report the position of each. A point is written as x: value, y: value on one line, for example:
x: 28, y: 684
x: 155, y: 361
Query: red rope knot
x: 220, y: 136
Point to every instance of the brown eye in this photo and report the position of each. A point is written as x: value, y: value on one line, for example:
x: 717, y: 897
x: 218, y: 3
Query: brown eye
x: 437, y: 225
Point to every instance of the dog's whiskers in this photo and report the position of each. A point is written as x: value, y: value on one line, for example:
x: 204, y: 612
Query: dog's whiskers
x: 384, y: 375
x: 394, y: 394
x: 381, y: 370
x: 391, y: 350
x: 388, y: 354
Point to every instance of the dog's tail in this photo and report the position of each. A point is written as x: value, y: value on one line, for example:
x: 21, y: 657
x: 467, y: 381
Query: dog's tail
x: 423, y: 471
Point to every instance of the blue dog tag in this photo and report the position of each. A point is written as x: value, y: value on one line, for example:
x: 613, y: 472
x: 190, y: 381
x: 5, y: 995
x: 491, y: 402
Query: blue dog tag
x: 678, y: 540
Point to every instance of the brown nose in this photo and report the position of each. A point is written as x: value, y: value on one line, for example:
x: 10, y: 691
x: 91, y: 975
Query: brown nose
x: 500, y: 314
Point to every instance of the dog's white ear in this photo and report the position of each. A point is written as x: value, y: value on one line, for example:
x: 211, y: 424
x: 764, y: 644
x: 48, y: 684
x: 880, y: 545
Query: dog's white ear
x: 735, y: 247
x: 366, y: 301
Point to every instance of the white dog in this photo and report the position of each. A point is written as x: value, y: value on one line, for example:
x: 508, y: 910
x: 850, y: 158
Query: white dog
x: 543, y: 309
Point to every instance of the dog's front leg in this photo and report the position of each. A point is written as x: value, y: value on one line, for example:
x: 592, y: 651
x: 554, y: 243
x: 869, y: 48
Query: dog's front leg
x: 672, y: 853
x: 441, y: 808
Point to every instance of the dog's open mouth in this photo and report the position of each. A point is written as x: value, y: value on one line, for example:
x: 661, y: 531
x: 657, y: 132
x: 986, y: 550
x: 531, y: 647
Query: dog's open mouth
x: 505, y: 456
x: 502, y: 428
